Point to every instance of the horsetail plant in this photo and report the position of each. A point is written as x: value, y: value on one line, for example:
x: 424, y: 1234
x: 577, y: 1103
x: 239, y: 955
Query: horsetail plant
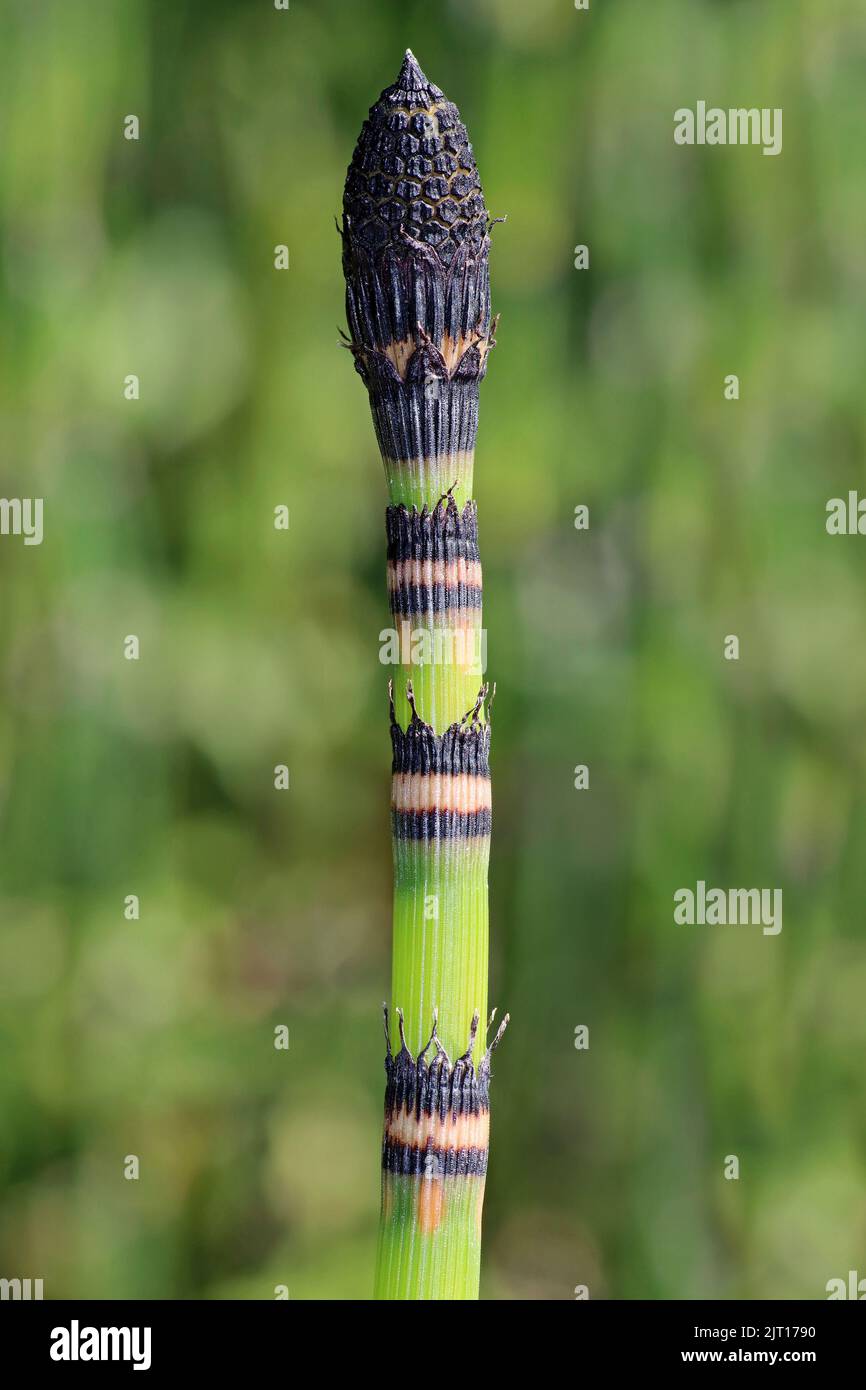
x: 415, y: 255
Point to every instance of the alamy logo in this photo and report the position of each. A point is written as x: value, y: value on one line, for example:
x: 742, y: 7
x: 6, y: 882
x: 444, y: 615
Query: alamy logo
x: 856, y: 1287
x: 846, y: 518
x: 21, y: 1289
x: 76, y: 1343
x: 438, y: 646
x: 729, y: 907
x: 22, y: 516
x: 738, y: 125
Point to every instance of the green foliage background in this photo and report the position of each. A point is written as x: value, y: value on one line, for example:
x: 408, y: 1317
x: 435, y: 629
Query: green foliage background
x: 155, y: 1037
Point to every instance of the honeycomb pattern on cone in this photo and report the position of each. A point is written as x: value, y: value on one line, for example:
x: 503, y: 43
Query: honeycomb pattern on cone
x: 413, y: 167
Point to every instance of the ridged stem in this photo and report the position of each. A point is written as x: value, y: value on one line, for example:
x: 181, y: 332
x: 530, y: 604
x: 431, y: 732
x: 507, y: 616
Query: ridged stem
x: 430, y: 1230
x: 440, y: 937
x: 415, y: 255
x: 412, y: 1264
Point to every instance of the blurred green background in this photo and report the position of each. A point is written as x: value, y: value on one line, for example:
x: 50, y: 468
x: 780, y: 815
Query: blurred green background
x: 258, y: 647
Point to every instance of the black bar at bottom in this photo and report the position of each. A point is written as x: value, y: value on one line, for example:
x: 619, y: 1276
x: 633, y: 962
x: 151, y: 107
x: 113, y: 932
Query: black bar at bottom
x: 71, y: 1338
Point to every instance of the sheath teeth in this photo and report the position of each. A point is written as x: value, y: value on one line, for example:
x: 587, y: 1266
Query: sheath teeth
x: 437, y: 1113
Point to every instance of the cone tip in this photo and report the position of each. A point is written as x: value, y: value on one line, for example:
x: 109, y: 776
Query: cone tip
x: 411, y: 77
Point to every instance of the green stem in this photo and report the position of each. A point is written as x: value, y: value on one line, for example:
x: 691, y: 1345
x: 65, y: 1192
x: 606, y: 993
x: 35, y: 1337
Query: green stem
x: 415, y: 256
x: 430, y: 1231
x: 412, y: 1264
x: 440, y: 938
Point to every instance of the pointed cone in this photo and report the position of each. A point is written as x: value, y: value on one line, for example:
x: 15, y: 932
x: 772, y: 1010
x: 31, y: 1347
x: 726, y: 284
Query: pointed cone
x: 413, y: 169
x: 412, y: 79
x: 415, y: 257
